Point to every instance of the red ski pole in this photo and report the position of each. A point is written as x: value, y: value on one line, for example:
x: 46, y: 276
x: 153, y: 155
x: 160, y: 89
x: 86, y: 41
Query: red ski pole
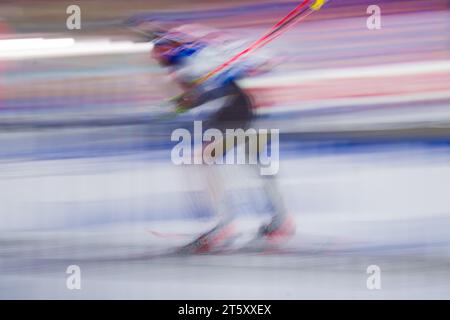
x: 288, y: 21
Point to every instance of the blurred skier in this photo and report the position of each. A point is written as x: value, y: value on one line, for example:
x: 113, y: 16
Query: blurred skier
x: 189, y: 52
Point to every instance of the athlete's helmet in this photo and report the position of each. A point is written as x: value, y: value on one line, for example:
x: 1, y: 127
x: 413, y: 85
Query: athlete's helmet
x: 183, y: 41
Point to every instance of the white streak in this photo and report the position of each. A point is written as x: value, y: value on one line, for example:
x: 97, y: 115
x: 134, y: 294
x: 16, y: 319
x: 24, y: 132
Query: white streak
x: 35, y: 48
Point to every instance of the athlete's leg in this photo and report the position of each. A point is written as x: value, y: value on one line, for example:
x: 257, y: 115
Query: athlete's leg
x: 281, y: 225
x: 228, y: 117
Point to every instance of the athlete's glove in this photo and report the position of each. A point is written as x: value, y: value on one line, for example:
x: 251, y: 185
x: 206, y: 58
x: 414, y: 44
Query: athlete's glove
x: 187, y: 100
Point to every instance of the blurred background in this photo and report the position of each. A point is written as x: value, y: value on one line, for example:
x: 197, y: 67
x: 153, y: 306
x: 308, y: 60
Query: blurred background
x: 86, y: 177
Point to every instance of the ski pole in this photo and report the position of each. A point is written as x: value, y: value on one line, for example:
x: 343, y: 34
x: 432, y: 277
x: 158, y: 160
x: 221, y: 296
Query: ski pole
x: 288, y: 21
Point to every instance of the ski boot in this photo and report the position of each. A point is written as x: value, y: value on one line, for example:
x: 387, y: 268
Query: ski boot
x: 210, y: 241
x: 278, y: 230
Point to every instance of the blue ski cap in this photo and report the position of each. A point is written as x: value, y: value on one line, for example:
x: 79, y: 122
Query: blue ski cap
x: 178, y: 51
x: 185, y: 41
